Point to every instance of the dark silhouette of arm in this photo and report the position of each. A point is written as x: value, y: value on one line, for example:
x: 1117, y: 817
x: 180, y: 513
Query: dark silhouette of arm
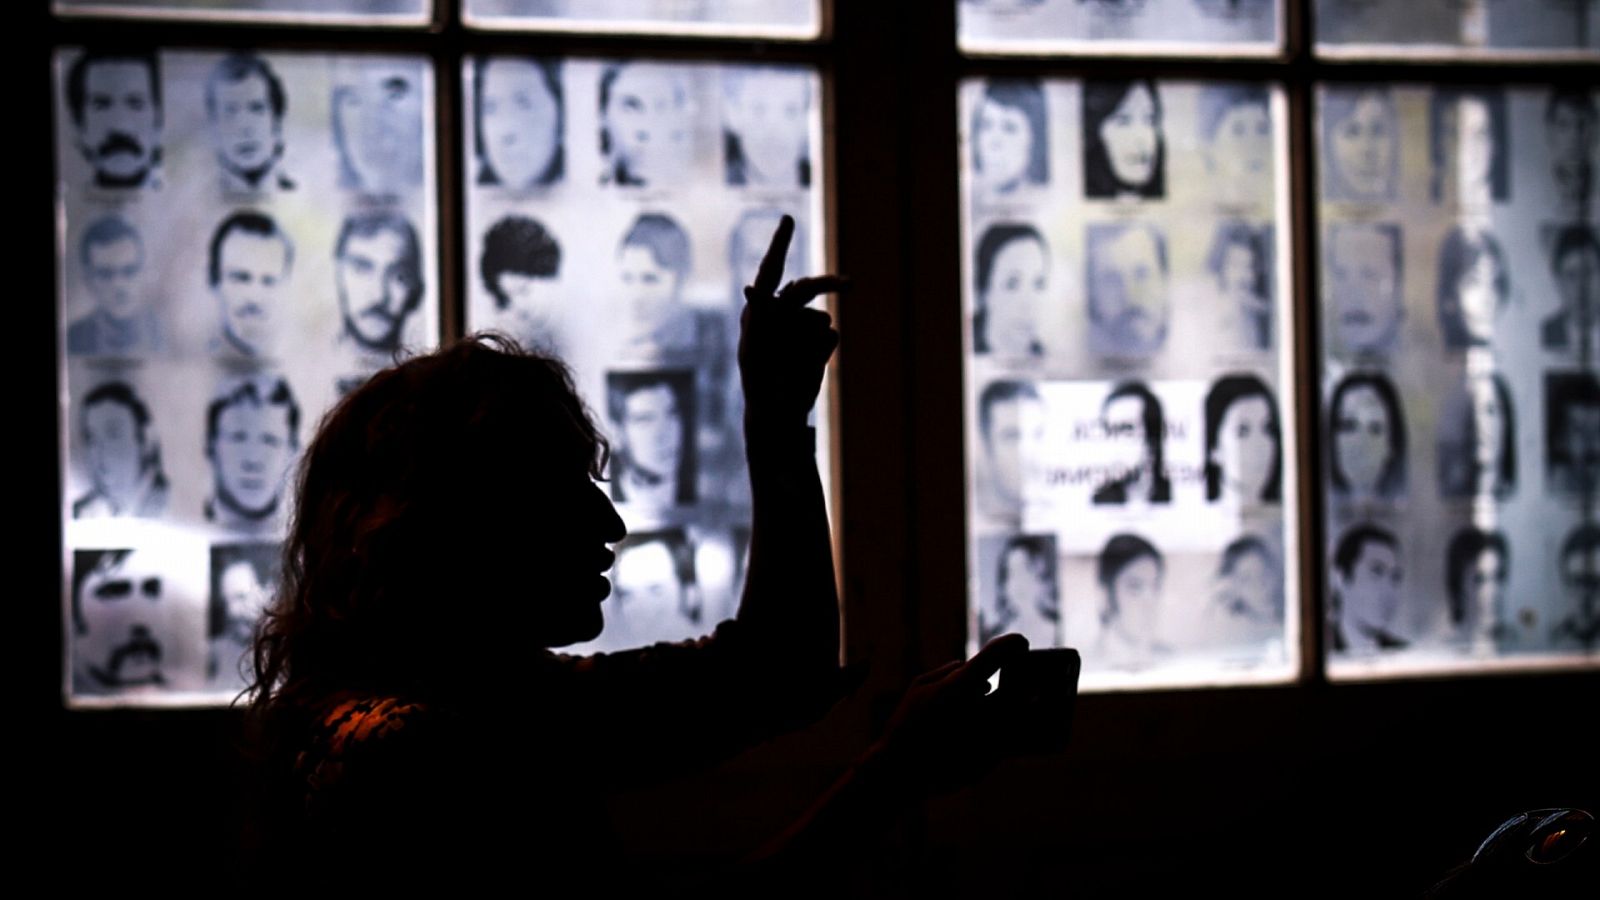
x: 790, y: 604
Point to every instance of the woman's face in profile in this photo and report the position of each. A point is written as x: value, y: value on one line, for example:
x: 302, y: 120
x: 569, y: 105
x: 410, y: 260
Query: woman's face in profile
x: 1004, y: 144
x: 1361, y: 439
x: 1247, y: 447
x: 1475, y: 291
x: 1018, y: 283
x: 1131, y: 136
x: 1363, y: 145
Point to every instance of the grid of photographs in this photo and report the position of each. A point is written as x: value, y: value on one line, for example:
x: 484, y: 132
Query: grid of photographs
x: 320, y: 12
x: 242, y: 237
x: 1124, y: 27
x: 782, y: 19
x: 1130, y: 464
x: 1456, y: 29
x: 1459, y: 273
x: 669, y: 179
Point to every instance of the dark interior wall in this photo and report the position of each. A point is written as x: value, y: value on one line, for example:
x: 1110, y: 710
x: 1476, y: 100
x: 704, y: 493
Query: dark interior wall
x: 1354, y: 789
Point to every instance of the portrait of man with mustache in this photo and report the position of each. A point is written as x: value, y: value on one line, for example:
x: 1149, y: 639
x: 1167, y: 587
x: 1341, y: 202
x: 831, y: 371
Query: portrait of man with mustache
x: 115, y: 102
x: 119, y: 622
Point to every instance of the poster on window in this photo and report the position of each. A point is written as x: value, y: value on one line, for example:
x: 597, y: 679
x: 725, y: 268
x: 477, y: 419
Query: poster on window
x: 1458, y: 29
x: 242, y: 237
x: 1459, y: 276
x: 320, y: 12
x: 781, y: 19
x: 614, y: 211
x: 1130, y: 27
x: 1129, y: 435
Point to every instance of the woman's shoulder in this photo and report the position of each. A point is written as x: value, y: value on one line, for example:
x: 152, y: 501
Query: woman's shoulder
x: 357, y: 740
x: 348, y: 721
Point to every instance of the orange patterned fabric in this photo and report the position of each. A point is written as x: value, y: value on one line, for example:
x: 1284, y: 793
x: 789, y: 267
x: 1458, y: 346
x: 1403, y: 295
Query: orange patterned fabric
x: 354, y: 728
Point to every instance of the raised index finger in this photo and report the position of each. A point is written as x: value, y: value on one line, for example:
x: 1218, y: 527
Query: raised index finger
x: 771, y: 271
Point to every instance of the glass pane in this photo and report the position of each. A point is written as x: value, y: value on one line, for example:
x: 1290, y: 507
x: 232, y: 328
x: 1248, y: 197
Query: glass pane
x: 1461, y: 411
x: 723, y: 18
x: 614, y: 212
x: 1131, y: 478
x: 1456, y: 28
x: 242, y: 237
x: 1167, y: 27
x: 322, y: 12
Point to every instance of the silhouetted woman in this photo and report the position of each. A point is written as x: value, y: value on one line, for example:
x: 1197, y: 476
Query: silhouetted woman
x: 415, y: 728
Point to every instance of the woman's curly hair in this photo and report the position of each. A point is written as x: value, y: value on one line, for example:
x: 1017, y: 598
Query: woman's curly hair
x: 377, y: 541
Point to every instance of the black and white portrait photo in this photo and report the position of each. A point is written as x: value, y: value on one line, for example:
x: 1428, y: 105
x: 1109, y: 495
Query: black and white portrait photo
x: 122, y: 455
x: 766, y: 126
x: 1134, y: 424
x: 1124, y: 147
x: 1469, y: 146
x: 1478, y: 440
x: 121, y: 639
x: 1363, y: 277
x: 1025, y: 596
x: 245, y: 106
x: 1240, y: 262
x: 1474, y: 287
x: 652, y: 418
x: 1570, y: 139
x: 1012, y: 277
x: 1360, y: 144
x: 1011, y: 424
x: 1131, y: 574
x: 518, y: 266
x: 1572, y: 431
x: 647, y: 130
x: 1244, y: 444
x: 1477, y: 565
x: 378, y: 272
x: 111, y: 255
x: 1578, y: 628
x: 1367, y: 578
x: 378, y: 127
x: 1247, y: 594
x: 656, y: 595
x: 747, y: 244
x: 248, y: 267
x: 1236, y: 133
x: 1366, y: 438
x: 243, y: 579
x: 519, y: 111
x: 1575, y: 269
x: 653, y: 260
x: 1010, y: 135
x: 114, y: 99
x: 1128, y: 289
x: 252, y: 436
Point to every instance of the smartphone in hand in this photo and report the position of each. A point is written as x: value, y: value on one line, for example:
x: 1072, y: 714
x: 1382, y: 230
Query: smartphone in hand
x: 1036, y: 698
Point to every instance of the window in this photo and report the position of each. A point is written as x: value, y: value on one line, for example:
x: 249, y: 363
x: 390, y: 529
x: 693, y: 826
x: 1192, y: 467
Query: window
x: 1247, y: 296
